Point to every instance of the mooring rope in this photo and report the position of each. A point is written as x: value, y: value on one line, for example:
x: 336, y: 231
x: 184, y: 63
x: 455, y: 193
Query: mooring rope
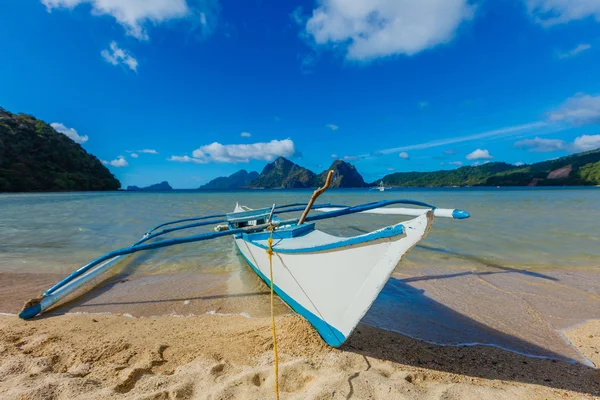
x: 276, y: 357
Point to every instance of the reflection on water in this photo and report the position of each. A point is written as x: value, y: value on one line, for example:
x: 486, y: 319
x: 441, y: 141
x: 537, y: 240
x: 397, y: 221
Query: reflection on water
x: 526, y: 264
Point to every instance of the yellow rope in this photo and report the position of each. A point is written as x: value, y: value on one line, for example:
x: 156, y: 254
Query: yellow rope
x: 270, y: 253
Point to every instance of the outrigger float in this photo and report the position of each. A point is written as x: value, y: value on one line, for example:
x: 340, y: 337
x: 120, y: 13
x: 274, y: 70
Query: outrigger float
x: 331, y: 281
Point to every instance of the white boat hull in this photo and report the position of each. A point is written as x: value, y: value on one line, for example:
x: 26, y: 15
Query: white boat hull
x: 333, y: 289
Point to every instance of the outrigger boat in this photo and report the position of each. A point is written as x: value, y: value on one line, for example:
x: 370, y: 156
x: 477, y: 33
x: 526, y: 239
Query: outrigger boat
x: 331, y: 281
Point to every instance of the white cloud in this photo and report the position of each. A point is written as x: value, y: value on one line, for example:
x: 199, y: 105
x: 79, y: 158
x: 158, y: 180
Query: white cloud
x: 586, y: 142
x: 554, y: 12
x: 118, y: 162
x: 459, y: 139
x: 116, y: 56
x: 403, y: 155
x: 581, y: 109
x: 133, y: 14
x: 187, y: 159
x: 245, y: 134
x: 332, y: 127
x: 479, y: 154
x: 541, y: 145
x: 69, y: 132
x: 573, y: 52
x: 334, y: 156
x: 581, y: 143
x: 423, y: 104
x: 519, y: 163
x: 234, y: 153
x: 134, y: 155
x: 372, y: 29
x: 457, y: 163
x: 297, y: 16
x: 308, y: 62
x: 145, y: 151
x: 350, y: 158
x: 390, y: 169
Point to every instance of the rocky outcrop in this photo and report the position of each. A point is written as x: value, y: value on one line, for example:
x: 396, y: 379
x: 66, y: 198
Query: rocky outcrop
x: 282, y: 173
x: 345, y: 175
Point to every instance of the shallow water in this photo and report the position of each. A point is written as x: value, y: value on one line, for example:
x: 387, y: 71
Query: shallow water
x: 524, y: 266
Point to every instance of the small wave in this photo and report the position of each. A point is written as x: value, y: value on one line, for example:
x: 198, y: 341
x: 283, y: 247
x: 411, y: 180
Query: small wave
x: 585, y: 361
x: 80, y: 313
x: 562, y: 335
x: 243, y: 314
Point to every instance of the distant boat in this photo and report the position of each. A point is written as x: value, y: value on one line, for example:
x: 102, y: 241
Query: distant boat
x: 380, y: 187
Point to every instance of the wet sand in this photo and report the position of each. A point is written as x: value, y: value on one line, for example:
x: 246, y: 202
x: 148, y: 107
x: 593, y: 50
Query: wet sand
x: 524, y: 311
x: 216, y: 357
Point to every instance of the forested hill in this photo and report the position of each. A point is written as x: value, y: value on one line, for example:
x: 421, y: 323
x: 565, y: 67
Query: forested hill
x: 34, y: 157
x: 237, y: 180
x: 576, y: 169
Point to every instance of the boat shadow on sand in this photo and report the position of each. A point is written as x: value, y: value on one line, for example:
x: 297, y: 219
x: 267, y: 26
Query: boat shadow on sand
x: 403, y: 307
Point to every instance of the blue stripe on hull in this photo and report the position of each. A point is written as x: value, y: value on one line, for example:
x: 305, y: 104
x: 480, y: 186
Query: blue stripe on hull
x: 385, y: 233
x: 330, y: 334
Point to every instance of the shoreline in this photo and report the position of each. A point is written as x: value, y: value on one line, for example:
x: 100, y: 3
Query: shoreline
x: 90, y: 356
x: 562, y: 332
x: 199, y: 296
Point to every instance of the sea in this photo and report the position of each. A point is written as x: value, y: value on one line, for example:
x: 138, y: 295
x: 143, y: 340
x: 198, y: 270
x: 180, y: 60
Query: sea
x: 521, y: 270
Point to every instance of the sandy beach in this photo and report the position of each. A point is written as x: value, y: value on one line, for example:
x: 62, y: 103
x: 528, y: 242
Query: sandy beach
x: 86, y: 356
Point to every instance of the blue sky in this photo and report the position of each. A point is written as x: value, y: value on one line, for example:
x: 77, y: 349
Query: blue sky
x: 186, y: 91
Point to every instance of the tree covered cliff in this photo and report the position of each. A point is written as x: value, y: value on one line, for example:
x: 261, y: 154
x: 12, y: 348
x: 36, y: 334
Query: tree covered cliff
x: 34, y: 157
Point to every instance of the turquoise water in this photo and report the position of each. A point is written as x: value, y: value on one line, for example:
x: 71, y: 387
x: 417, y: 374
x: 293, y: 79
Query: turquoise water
x: 523, y: 267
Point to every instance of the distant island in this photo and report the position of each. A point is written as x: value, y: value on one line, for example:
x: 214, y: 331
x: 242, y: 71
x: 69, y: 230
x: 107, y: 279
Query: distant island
x: 34, y: 157
x: 581, y: 169
x: 238, y: 180
x: 157, y: 187
x: 284, y: 174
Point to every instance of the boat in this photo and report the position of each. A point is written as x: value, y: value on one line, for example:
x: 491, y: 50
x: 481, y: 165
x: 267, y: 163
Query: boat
x: 331, y: 281
x: 381, y: 188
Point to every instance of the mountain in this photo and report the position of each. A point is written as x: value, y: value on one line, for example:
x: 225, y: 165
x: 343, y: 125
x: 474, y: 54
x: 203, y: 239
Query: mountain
x: 34, y: 157
x: 282, y: 173
x: 345, y: 176
x: 157, y: 187
x: 238, y: 180
x: 575, y: 169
